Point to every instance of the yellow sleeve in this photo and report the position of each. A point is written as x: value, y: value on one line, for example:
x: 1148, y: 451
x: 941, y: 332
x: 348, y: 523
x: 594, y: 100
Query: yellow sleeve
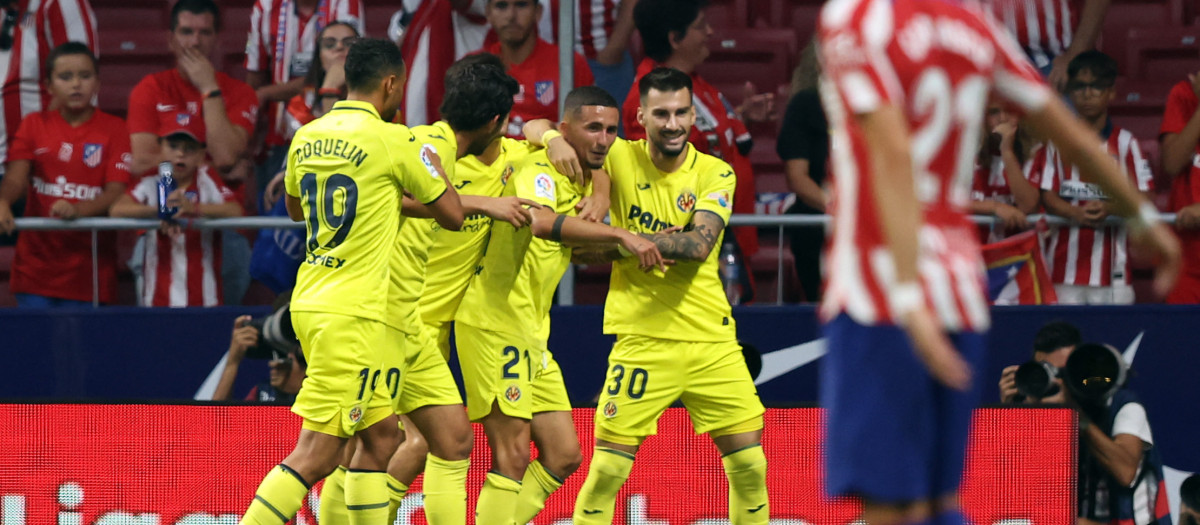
x: 716, y: 190
x: 291, y: 179
x: 534, y: 182
x: 420, y: 176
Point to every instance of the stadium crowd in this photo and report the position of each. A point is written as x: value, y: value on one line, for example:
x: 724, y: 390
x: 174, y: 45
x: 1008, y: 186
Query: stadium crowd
x: 226, y: 139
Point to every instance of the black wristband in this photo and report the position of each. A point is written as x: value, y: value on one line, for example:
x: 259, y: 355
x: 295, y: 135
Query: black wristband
x: 213, y: 94
x: 556, y: 231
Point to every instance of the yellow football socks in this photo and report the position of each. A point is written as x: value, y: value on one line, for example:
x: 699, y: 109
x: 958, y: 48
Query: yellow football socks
x: 497, y: 500
x: 278, y: 498
x: 445, y: 489
x: 333, y: 499
x: 746, y: 470
x: 536, y: 487
x: 396, y: 491
x: 598, y: 497
x: 366, y: 496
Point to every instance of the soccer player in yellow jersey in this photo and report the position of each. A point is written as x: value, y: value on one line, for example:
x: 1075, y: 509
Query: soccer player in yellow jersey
x: 346, y: 174
x: 510, y: 379
x: 676, y: 338
x: 475, y: 111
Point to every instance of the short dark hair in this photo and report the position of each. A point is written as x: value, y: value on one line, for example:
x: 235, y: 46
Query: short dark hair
x: 70, y: 48
x: 1055, y: 335
x: 369, y: 60
x: 196, y: 7
x: 664, y: 79
x: 588, y: 96
x: 657, y: 19
x: 478, y: 90
x: 1189, y: 491
x: 1102, y: 66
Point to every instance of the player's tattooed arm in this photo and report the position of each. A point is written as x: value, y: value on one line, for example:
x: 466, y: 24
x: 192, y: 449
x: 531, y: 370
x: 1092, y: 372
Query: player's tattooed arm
x: 694, y: 244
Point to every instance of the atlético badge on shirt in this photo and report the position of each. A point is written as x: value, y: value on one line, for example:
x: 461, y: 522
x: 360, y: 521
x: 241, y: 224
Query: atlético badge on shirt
x: 92, y: 154
x: 545, y: 92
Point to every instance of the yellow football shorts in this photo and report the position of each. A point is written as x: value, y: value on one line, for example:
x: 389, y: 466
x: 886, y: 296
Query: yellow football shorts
x: 646, y: 375
x: 428, y: 381
x: 549, y: 390
x: 346, y: 387
x: 496, y: 368
x: 440, y: 331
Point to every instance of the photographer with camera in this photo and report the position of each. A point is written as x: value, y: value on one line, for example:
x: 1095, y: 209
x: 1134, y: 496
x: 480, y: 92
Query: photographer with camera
x: 1120, y: 470
x: 272, y: 338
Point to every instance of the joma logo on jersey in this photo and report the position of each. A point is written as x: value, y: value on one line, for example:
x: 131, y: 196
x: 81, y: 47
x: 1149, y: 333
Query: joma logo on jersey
x: 646, y: 219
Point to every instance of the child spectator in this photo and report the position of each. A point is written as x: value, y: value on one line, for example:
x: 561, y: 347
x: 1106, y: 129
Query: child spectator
x: 1000, y: 187
x: 78, y: 159
x: 1089, y: 262
x: 181, y: 267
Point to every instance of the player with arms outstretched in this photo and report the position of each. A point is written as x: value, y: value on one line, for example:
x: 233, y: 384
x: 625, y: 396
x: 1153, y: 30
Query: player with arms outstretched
x: 514, y: 386
x: 676, y: 338
x: 346, y: 173
x: 905, y: 310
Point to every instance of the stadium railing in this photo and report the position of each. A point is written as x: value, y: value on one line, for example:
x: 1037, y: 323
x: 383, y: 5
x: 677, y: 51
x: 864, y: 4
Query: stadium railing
x: 779, y: 222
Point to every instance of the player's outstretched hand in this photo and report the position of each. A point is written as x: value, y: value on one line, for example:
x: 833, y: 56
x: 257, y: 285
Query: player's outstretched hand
x: 512, y: 210
x: 593, y: 207
x: 646, y: 251
x: 563, y: 158
x: 1166, y: 270
x: 932, y: 346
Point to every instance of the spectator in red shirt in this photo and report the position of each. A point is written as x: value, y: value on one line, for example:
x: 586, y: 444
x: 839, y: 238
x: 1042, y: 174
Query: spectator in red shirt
x: 225, y: 108
x: 1180, y: 136
x: 675, y: 34
x: 533, y: 62
x: 181, y: 267
x: 222, y: 111
x: 78, y: 159
x: 28, y: 31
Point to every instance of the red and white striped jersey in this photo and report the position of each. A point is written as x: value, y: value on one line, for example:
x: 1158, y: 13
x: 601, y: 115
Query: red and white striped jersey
x: 991, y: 184
x: 183, y: 269
x: 41, y: 26
x: 1079, y: 255
x: 284, y: 43
x: 937, y: 61
x: 594, y: 23
x: 1043, y: 28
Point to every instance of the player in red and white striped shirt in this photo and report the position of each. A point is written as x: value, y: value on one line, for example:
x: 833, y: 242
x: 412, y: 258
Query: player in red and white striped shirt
x: 29, y: 29
x: 182, y: 267
x: 1052, y: 32
x: 282, y: 45
x: 905, y: 308
x: 1089, y: 263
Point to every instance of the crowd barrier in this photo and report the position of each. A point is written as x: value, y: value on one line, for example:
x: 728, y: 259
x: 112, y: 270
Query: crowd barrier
x: 140, y: 464
x: 778, y: 222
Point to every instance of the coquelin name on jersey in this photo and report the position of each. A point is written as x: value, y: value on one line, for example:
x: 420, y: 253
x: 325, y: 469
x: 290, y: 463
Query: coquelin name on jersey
x: 331, y: 148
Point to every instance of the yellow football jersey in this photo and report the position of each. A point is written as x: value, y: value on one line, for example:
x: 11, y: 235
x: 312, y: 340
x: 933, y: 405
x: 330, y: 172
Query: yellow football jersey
x: 411, y: 249
x: 515, y: 282
x: 687, y: 303
x: 348, y: 169
x: 453, y: 255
